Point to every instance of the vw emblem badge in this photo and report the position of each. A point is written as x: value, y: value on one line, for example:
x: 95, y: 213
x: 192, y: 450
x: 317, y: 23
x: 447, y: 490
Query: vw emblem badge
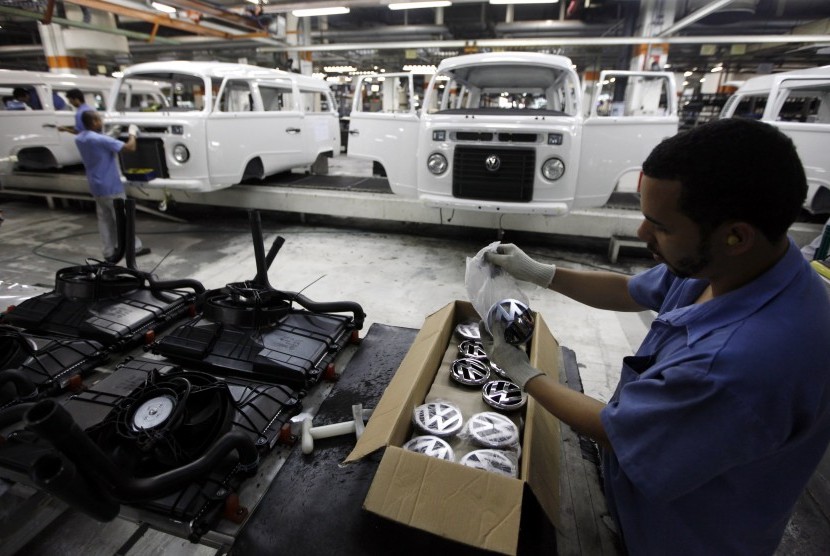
x: 503, y: 395
x: 492, y: 163
x: 438, y: 418
x: 430, y: 446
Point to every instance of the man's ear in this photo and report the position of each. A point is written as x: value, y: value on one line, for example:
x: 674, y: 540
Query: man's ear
x: 740, y: 237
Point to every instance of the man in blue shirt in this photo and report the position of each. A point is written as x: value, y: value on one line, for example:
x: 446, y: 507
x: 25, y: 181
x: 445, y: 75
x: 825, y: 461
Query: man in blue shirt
x: 99, y: 154
x: 723, y: 414
x: 20, y: 100
x: 77, y: 100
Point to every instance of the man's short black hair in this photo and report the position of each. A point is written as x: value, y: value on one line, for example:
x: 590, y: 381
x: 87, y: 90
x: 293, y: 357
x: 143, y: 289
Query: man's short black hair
x: 87, y: 118
x: 19, y: 92
x: 734, y: 169
x: 76, y: 94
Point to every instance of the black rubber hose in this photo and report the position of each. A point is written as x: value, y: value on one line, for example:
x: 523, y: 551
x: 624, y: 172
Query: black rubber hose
x: 54, y: 423
x: 13, y: 414
x: 261, y: 278
x: 23, y: 384
x: 330, y: 307
x: 58, y: 476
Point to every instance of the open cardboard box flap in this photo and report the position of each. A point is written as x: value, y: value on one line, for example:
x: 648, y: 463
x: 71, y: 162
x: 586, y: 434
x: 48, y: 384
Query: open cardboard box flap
x: 468, y: 505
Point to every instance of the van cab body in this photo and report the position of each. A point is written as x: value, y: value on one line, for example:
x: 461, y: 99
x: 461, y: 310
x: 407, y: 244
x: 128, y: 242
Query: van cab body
x: 219, y: 123
x: 32, y: 134
x: 508, y: 132
x: 798, y: 103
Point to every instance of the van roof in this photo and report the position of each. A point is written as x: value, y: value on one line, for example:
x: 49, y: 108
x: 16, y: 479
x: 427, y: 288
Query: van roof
x: 66, y: 79
x: 220, y: 70
x: 767, y: 82
x: 532, y: 58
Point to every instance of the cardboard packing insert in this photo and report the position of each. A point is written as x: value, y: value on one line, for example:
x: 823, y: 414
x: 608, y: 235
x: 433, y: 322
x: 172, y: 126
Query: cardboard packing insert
x: 468, y: 505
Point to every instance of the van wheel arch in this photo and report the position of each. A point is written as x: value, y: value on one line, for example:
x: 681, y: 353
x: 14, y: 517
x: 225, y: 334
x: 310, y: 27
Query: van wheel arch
x: 254, y: 170
x: 36, y: 158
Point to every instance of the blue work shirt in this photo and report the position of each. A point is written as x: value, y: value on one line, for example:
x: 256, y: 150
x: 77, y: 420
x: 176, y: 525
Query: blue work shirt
x: 723, y: 414
x: 79, y: 123
x: 98, y: 152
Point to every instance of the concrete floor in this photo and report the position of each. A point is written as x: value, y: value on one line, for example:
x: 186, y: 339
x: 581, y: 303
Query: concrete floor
x: 399, y: 274
x: 398, y: 277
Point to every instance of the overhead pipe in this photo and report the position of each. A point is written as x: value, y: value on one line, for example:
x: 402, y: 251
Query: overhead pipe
x: 695, y: 16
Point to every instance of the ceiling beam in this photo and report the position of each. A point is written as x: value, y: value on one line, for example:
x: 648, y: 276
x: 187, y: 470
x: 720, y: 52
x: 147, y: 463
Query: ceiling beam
x: 161, y: 19
x: 695, y: 16
x: 550, y: 42
x: 215, y: 11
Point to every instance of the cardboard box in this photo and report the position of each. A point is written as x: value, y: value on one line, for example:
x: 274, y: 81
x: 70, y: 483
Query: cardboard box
x: 468, y: 505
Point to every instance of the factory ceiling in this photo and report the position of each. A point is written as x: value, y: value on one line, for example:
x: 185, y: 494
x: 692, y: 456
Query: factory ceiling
x: 744, y: 35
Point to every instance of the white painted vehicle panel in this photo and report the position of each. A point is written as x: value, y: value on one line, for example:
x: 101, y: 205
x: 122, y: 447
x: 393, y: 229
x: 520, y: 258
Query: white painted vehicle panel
x: 797, y: 103
x: 224, y: 123
x: 491, y: 123
x: 32, y: 135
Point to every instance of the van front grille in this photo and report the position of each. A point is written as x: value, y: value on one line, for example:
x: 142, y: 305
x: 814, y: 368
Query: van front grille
x: 149, y: 154
x: 507, y: 177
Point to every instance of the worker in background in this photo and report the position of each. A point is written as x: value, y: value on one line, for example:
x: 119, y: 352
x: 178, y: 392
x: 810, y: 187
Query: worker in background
x: 99, y: 154
x: 77, y: 100
x: 723, y: 414
x: 20, y: 100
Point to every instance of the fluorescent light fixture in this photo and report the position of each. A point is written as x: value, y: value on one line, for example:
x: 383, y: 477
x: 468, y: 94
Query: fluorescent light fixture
x: 320, y: 11
x: 524, y: 1
x: 339, y: 69
x: 418, y: 5
x: 420, y: 69
x: 164, y: 8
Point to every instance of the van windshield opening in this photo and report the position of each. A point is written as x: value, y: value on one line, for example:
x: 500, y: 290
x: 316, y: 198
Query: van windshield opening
x: 504, y: 89
x: 157, y: 92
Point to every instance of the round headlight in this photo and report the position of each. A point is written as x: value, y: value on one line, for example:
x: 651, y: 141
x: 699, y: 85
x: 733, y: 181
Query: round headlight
x: 553, y: 169
x: 437, y: 163
x: 180, y: 153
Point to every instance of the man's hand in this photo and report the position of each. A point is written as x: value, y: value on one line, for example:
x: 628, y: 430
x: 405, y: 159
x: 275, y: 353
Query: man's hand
x: 512, y: 360
x: 133, y: 130
x: 520, y: 266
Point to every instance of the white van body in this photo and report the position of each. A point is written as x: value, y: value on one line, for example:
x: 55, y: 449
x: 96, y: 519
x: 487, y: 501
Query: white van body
x: 798, y: 103
x: 495, y: 129
x: 32, y: 135
x: 221, y: 123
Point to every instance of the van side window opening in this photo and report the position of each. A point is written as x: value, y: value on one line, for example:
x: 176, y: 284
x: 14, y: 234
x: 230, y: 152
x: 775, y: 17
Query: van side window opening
x: 646, y: 97
x: 276, y: 98
x: 751, y: 106
x: 385, y: 94
x: 236, y: 97
x: 315, y: 101
x: 800, y: 101
x: 181, y: 93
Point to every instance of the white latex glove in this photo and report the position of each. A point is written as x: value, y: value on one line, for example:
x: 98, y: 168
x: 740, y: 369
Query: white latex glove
x: 133, y: 130
x: 512, y: 360
x: 521, y: 266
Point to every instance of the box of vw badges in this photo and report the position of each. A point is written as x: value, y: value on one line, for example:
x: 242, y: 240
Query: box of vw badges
x: 461, y: 440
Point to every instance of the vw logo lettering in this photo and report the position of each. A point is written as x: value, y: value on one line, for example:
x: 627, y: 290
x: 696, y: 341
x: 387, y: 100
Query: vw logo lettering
x: 492, y: 163
x: 438, y: 418
x: 430, y: 446
x: 472, y: 348
x: 493, y: 430
x: 504, y: 395
x: 494, y: 461
x: 469, y: 371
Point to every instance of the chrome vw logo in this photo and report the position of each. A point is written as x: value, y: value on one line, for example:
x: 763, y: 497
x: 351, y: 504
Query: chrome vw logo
x: 492, y: 163
x: 493, y: 430
x: 504, y: 395
x: 439, y: 418
x: 470, y: 371
x: 430, y: 446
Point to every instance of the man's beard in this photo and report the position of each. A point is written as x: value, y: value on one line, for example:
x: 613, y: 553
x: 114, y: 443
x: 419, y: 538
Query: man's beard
x: 689, y: 266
